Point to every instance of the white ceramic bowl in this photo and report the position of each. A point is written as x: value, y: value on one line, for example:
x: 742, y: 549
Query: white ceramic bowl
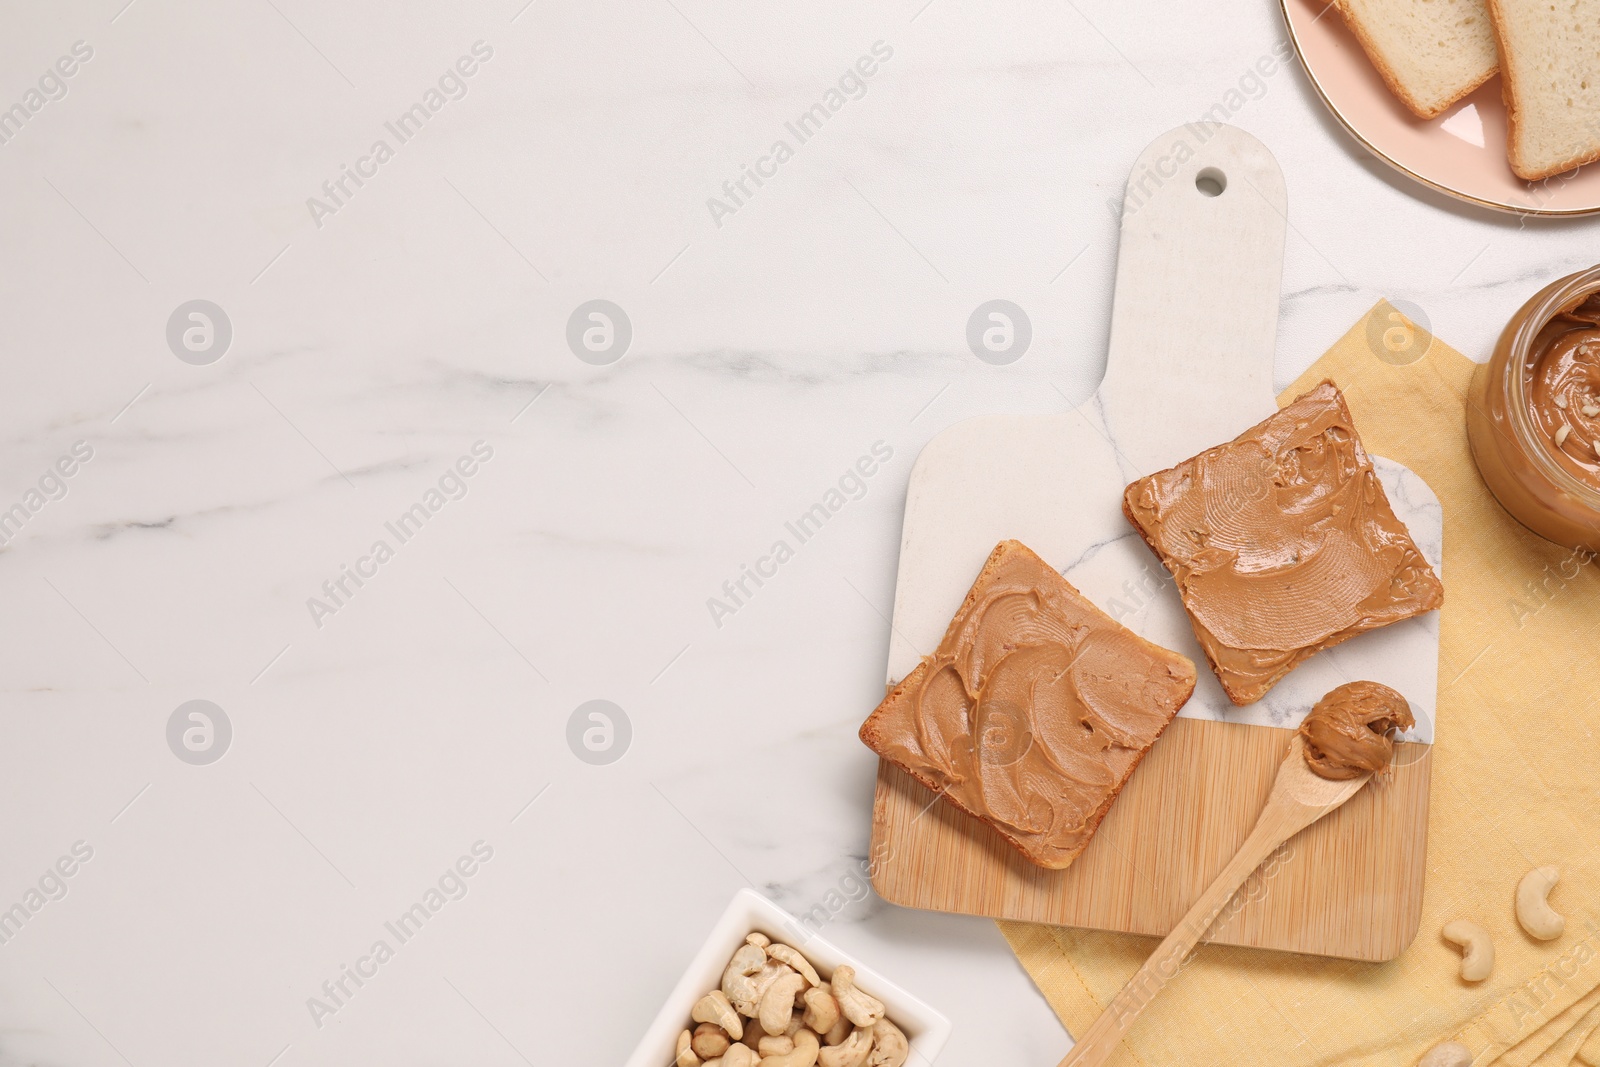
x: 748, y: 912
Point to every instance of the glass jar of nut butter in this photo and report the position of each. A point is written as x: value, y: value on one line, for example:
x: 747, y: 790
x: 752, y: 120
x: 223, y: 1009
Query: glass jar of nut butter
x: 1533, y: 413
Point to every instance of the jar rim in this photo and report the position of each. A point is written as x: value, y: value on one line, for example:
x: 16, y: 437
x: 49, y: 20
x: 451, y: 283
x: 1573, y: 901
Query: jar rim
x: 1534, y: 316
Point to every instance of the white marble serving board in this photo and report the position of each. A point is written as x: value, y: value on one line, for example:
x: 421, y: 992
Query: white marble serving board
x: 1190, y: 365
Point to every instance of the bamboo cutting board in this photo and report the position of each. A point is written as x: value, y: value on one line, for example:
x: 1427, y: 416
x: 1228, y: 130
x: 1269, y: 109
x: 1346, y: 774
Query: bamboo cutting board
x: 1190, y: 366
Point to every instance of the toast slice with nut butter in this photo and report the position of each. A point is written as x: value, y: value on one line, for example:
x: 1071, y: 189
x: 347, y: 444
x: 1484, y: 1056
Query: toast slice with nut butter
x: 1034, y: 710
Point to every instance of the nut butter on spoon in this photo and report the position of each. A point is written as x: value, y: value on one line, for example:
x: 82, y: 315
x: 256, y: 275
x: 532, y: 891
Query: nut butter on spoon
x: 1332, y: 756
x: 1347, y: 734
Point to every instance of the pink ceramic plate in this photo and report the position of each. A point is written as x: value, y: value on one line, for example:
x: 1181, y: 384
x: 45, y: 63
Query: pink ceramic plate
x: 1462, y: 152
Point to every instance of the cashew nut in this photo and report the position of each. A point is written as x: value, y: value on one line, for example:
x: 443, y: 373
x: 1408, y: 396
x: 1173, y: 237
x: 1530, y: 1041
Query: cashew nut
x: 763, y: 979
x: 857, y: 1006
x: 1477, y: 956
x: 804, y: 1054
x: 775, y: 1045
x: 822, y: 1011
x: 714, y: 1008
x: 889, y: 1045
x: 739, y: 977
x: 785, y: 954
x: 1447, y: 1054
x: 777, y: 1003
x: 737, y: 1056
x: 710, y: 1041
x: 839, y: 1031
x: 1533, y: 906
x: 686, y: 1056
x: 852, y: 1052
x: 758, y: 939
x: 753, y: 1033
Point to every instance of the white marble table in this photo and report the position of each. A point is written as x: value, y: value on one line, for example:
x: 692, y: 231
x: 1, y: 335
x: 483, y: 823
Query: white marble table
x: 201, y: 547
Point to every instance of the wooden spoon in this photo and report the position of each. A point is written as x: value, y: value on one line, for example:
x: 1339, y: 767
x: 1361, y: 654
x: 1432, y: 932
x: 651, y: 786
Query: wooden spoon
x: 1299, y: 798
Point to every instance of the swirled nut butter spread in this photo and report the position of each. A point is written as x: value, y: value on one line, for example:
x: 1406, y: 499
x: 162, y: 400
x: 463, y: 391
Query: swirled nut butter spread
x: 1562, y: 387
x: 1347, y: 733
x: 1034, y: 709
x: 1282, y: 543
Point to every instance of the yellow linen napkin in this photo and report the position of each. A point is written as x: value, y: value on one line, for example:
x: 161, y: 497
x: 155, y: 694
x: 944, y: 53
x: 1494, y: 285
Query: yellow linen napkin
x: 1516, y: 767
x: 1557, y: 1041
x: 1588, y: 1044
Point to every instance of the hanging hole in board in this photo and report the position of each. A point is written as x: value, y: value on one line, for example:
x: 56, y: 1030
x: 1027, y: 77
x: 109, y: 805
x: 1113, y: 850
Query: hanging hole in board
x: 1211, y: 181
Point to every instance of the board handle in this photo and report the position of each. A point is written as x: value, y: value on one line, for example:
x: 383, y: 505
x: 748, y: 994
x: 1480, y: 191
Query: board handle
x: 1195, y: 318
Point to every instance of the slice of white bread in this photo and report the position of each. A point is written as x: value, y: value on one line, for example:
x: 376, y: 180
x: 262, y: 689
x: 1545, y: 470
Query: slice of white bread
x: 1551, y: 84
x: 1430, y: 53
